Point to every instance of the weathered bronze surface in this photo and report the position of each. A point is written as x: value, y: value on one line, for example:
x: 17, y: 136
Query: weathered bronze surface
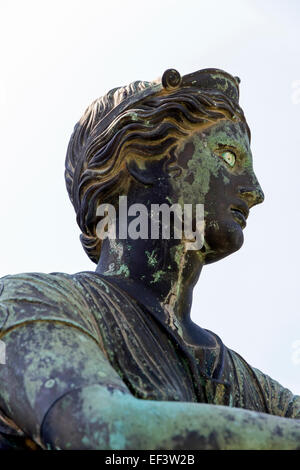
x: 111, y: 359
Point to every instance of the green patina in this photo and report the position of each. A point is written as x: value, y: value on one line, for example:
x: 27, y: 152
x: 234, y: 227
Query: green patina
x: 222, y: 84
x: 157, y: 276
x: 104, y: 285
x: 178, y: 252
x: 134, y: 116
x: 223, y: 134
x: 123, y: 269
x: 201, y: 166
x: 116, y: 248
x: 152, y: 259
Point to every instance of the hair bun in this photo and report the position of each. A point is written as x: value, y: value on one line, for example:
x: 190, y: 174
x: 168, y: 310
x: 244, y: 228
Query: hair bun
x: 171, y: 79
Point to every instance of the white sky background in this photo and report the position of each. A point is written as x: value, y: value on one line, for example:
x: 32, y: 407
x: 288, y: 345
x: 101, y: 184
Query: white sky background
x: 58, y: 56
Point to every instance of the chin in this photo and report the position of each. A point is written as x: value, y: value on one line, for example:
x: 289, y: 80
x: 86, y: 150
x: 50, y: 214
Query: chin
x: 222, y: 241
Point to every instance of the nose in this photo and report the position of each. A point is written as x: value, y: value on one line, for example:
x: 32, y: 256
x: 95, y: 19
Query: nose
x: 252, y: 194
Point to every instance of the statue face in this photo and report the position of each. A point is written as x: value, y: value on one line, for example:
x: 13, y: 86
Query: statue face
x: 217, y: 171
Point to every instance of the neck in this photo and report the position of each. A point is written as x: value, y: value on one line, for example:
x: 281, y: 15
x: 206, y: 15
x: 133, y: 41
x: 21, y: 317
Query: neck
x: 160, y: 274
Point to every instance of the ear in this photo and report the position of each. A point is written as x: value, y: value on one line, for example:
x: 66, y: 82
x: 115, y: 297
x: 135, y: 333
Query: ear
x: 150, y: 173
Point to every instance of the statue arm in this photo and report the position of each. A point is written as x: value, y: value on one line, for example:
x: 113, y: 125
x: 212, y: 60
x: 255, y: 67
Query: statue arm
x: 110, y: 419
x: 60, y: 389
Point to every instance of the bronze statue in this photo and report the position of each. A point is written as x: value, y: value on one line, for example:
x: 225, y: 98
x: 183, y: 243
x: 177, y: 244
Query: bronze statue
x: 111, y: 359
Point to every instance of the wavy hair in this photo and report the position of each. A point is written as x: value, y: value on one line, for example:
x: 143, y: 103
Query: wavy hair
x: 117, y: 126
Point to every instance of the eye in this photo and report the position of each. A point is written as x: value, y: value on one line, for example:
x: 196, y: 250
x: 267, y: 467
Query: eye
x: 229, y: 157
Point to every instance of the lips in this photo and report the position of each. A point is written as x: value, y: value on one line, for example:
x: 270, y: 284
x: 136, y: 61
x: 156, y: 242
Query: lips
x: 240, y: 214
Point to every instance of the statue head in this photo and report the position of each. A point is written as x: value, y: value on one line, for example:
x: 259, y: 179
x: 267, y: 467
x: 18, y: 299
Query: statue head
x: 186, y: 137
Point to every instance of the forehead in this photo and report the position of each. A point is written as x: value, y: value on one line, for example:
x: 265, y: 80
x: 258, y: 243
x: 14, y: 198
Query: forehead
x: 226, y: 132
